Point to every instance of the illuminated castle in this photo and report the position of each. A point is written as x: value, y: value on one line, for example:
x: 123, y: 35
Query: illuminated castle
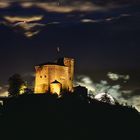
x: 55, y: 77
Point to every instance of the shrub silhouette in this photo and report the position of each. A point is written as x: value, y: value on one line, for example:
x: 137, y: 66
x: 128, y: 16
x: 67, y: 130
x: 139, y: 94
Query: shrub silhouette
x: 15, y: 83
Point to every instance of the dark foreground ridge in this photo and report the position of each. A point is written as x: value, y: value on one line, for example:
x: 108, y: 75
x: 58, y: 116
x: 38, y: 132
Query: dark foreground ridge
x: 73, y: 116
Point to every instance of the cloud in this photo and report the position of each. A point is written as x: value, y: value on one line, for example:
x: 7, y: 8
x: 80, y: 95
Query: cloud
x: 117, y: 17
x: 96, y: 88
x: 3, y: 91
x: 65, y: 2
x: 85, y: 81
x: 30, y: 34
x: 115, y: 76
x: 29, y: 29
x: 81, y: 6
x: 67, y: 6
x: 101, y: 87
x: 131, y: 97
x: 116, y: 2
x: 33, y: 24
x: 4, y: 94
x: 28, y: 25
x: 4, y: 4
x: 13, y: 19
x: 106, y: 19
x: 90, y: 21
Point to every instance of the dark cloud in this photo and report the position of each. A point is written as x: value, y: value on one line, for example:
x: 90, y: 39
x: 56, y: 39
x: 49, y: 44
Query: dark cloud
x: 67, y: 6
x: 29, y: 25
x: 131, y: 94
x: 55, y: 6
x: 130, y: 97
x: 118, y: 2
x: 71, y: 1
x: 102, y: 36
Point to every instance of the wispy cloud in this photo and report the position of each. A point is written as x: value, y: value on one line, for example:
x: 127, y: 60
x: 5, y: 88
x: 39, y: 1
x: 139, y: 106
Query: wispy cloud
x: 13, y: 19
x: 106, y: 19
x: 29, y: 25
x: 30, y: 34
x: 4, y: 4
x: 66, y: 6
x: 3, y: 91
x: 85, y: 81
x: 90, y: 20
x: 131, y: 97
x: 115, y: 76
x: 81, y: 6
x: 95, y: 88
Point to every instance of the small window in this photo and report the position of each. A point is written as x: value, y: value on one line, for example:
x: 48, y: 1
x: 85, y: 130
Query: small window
x: 45, y: 76
x: 40, y: 76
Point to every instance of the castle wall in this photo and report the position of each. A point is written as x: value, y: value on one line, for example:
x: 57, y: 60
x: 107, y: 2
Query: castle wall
x: 59, y: 73
x: 41, y: 80
x: 46, y: 74
x: 69, y: 62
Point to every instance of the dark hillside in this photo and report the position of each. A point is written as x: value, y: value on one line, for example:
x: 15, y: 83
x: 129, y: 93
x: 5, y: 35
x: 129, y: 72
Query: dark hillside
x: 70, y: 117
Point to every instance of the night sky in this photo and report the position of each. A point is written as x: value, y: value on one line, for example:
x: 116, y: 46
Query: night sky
x: 103, y: 36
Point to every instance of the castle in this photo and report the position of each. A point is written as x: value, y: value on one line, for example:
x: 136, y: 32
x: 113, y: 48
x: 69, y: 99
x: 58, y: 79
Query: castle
x: 55, y: 77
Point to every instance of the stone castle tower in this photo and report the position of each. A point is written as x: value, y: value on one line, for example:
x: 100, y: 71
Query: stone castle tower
x: 55, y: 77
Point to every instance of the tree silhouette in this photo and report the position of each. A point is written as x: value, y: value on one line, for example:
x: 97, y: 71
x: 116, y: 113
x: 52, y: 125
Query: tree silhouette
x: 15, y: 83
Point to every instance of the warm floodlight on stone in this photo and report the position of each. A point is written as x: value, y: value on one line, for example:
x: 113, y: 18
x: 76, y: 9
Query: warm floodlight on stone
x: 55, y: 77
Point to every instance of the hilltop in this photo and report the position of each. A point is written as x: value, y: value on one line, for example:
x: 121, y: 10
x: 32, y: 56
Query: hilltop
x: 71, y: 116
